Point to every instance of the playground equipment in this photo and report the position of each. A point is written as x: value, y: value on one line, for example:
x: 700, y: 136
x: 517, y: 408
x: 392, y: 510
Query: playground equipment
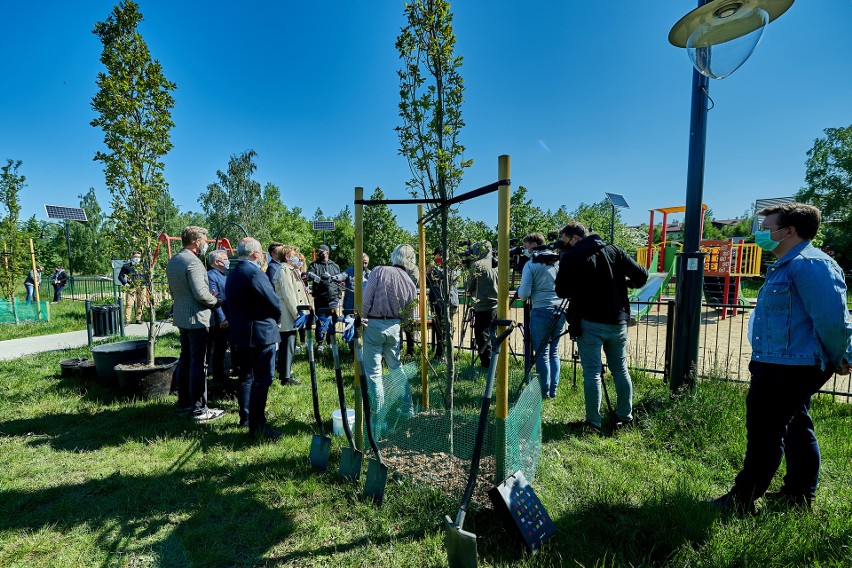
x: 433, y: 441
x: 725, y: 263
x: 166, y: 239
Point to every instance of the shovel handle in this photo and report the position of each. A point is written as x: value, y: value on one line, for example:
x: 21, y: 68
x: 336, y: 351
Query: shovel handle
x: 341, y: 396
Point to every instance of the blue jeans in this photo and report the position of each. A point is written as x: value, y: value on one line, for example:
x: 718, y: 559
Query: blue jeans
x: 57, y: 292
x: 777, y: 425
x: 612, y: 337
x: 381, y: 339
x: 191, y: 372
x: 545, y: 334
x: 30, y: 292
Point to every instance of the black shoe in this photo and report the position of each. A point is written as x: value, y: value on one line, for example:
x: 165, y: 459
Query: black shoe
x: 291, y: 382
x: 732, y: 504
x: 622, y: 424
x: 264, y: 433
x: 784, y: 498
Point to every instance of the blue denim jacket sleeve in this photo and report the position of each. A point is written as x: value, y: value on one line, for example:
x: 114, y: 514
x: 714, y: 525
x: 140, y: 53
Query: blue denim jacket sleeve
x: 801, y: 316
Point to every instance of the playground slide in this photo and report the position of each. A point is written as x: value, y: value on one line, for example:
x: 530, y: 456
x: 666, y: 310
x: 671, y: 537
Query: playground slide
x: 650, y: 292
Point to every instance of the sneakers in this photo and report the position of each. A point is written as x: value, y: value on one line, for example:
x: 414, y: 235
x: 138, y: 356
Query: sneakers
x: 208, y: 414
x: 321, y: 348
x: 784, y: 498
x: 732, y: 504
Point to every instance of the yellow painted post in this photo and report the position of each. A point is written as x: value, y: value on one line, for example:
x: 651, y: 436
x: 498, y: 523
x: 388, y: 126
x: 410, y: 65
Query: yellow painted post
x: 358, y: 262
x: 503, y: 198
x: 35, y: 278
x: 424, y: 366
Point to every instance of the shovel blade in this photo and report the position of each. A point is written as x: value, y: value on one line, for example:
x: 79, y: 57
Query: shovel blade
x: 320, y: 451
x: 350, y: 464
x: 377, y: 478
x: 460, y: 545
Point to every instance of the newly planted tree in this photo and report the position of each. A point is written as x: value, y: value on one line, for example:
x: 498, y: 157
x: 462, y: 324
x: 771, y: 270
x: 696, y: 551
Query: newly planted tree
x: 134, y: 103
x: 431, y: 94
x: 11, y: 183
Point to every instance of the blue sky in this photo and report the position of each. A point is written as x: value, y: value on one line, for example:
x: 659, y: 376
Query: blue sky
x: 585, y: 100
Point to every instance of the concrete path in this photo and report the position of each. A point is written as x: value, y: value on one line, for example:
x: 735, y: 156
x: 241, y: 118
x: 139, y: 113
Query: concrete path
x: 14, y: 348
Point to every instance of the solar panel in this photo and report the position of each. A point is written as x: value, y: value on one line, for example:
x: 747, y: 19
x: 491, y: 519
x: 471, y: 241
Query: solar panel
x: 69, y: 213
x: 617, y: 200
x: 323, y: 225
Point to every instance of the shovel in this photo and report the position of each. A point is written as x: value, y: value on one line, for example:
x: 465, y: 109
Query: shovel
x: 461, y: 544
x: 351, y: 458
x: 377, y: 471
x: 320, y: 443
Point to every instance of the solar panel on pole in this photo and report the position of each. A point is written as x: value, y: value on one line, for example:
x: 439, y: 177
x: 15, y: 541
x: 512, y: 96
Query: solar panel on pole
x: 617, y: 200
x: 324, y: 225
x: 65, y: 213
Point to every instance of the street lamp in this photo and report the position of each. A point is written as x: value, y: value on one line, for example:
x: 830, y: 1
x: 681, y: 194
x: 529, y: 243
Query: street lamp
x: 615, y: 200
x: 719, y: 37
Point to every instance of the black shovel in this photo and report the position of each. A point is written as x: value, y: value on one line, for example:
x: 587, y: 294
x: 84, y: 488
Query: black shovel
x: 377, y: 471
x: 461, y: 544
x: 320, y: 443
x: 351, y: 458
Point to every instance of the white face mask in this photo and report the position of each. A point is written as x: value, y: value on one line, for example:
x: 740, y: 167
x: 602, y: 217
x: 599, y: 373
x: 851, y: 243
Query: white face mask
x: 226, y: 264
x: 294, y: 260
x: 135, y: 260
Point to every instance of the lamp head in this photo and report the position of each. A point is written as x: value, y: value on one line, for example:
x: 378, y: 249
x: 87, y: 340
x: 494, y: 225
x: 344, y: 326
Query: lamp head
x: 722, y: 34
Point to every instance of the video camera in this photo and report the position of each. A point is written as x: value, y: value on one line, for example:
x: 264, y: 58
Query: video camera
x: 554, y: 241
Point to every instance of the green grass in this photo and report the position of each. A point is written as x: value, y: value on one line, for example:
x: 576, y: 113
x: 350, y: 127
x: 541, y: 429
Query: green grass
x: 93, y: 480
x: 67, y: 315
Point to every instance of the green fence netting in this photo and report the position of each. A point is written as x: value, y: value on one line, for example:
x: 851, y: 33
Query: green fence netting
x: 434, y: 445
x: 22, y: 311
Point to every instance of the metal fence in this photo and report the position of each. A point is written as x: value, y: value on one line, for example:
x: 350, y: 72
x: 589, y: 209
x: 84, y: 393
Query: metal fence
x: 724, y: 351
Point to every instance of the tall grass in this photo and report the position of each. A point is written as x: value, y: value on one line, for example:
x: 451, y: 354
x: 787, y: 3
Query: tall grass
x: 89, y: 479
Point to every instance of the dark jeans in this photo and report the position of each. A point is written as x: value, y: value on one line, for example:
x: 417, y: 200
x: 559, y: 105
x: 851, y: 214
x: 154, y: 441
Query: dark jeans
x: 286, y: 349
x: 481, y: 322
x: 438, y: 328
x: 322, y: 311
x: 778, y: 423
x: 191, y: 375
x: 57, y: 292
x: 255, y: 368
x: 217, y: 345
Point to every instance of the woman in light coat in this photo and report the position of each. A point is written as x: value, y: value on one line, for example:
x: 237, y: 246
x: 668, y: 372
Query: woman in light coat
x: 291, y: 291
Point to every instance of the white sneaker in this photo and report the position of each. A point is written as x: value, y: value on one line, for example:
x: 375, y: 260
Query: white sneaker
x: 321, y: 348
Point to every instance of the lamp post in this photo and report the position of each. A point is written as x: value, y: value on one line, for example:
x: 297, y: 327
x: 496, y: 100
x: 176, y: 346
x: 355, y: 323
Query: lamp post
x: 719, y: 37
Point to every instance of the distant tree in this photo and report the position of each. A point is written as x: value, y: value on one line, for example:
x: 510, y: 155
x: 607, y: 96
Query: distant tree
x: 343, y: 238
x: 828, y: 177
x: 14, y: 258
x: 92, y: 245
x: 236, y: 198
x: 597, y: 217
x: 526, y: 218
x: 381, y: 231
x: 431, y: 94
x: 134, y: 103
x: 286, y: 225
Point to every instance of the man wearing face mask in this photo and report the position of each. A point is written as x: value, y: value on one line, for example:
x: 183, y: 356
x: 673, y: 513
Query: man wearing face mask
x: 190, y: 290
x: 594, y: 276
x: 801, y: 335
x: 217, y: 343
x: 134, y: 287
x: 326, y: 290
x: 255, y: 311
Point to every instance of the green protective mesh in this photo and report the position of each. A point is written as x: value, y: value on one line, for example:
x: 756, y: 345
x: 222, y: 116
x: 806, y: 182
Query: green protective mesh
x: 21, y: 311
x: 435, y: 445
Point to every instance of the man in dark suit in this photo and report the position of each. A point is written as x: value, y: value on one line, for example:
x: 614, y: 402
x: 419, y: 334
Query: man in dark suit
x: 274, y: 264
x: 217, y: 341
x: 254, y: 311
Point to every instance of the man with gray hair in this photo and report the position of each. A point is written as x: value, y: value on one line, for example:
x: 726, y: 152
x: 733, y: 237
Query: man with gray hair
x: 217, y: 343
x: 254, y: 311
x: 193, y: 301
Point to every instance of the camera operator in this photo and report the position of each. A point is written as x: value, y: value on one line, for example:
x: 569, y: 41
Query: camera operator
x: 547, y: 321
x: 594, y: 277
x: 438, y: 297
x: 482, y: 290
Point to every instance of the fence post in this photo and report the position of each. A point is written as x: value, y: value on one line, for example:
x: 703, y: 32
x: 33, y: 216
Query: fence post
x: 121, y: 317
x: 670, y: 310
x: 89, y: 321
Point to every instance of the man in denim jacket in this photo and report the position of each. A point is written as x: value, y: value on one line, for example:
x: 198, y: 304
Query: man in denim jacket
x: 802, y: 334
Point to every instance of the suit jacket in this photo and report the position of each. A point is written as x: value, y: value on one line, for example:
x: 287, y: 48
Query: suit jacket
x: 217, y: 288
x: 253, y: 307
x: 190, y: 290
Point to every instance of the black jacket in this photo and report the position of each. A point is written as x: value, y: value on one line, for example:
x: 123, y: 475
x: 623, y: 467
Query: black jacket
x: 325, y: 289
x: 595, y: 276
x: 253, y: 307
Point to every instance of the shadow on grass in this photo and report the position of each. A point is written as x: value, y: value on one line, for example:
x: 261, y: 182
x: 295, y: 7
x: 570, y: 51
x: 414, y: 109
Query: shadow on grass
x: 218, y: 515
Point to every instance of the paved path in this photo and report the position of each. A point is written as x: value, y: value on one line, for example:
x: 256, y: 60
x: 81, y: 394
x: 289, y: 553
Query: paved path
x: 14, y: 348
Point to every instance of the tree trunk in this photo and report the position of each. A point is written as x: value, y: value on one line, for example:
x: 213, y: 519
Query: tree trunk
x: 449, y: 352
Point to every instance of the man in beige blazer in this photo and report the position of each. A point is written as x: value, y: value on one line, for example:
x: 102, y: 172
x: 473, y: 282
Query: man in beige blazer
x: 193, y: 301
